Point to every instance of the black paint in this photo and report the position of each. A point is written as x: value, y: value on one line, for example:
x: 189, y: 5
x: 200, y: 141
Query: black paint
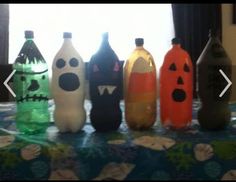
x: 180, y: 81
x: 34, y: 85
x: 34, y: 55
x: 179, y: 95
x: 186, y: 68
x: 172, y: 67
x: 73, y: 62
x: 69, y: 82
x: 214, y: 113
x: 105, y: 114
x: 60, y: 63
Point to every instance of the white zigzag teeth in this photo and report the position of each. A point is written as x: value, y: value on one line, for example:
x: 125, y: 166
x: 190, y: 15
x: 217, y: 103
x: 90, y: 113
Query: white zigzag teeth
x: 110, y: 89
x: 101, y: 89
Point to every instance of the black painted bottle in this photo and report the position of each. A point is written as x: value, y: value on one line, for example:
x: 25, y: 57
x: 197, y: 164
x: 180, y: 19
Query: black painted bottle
x: 105, y: 88
x: 214, y: 113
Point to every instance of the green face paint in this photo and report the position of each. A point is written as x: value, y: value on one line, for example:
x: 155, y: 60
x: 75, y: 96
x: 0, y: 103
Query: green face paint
x: 31, y: 86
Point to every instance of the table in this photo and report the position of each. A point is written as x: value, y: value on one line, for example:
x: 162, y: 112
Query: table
x: 156, y: 154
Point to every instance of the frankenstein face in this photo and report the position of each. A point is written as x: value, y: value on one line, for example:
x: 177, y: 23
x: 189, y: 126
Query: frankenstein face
x: 31, y: 78
x: 31, y: 86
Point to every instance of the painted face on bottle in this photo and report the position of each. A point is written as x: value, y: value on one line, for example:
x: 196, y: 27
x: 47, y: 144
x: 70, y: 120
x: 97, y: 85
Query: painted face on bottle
x: 31, y: 80
x: 68, y: 81
x: 105, y: 80
x: 179, y: 93
x: 67, y: 75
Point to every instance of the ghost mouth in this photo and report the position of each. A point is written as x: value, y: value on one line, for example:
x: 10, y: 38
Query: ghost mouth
x: 34, y: 98
x: 179, y: 95
x: 69, y: 82
x: 108, y: 88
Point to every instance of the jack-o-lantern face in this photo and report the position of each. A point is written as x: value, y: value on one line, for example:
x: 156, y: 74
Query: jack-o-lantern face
x: 31, y: 77
x: 179, y: 94
x: 176, y: 86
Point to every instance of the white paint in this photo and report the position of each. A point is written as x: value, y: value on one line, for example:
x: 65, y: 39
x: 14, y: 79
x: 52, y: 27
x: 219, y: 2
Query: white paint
x: 69, y: 113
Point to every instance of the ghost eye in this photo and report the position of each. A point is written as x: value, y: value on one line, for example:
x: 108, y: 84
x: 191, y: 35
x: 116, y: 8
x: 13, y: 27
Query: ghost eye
x: 186, y: 68
x: 74, y: 62
x: 22, y: 78
x: 60, y: 63
x: 172, y: 67
x: 43, y: 77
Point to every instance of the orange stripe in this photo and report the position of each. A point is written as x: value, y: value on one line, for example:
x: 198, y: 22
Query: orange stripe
x: 142, y: 82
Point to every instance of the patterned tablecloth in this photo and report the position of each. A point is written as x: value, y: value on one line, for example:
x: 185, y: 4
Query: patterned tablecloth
x: 156, y: 154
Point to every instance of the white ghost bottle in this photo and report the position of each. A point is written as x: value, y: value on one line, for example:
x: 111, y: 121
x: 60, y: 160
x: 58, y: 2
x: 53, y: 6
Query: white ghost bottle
x: 68, y: 87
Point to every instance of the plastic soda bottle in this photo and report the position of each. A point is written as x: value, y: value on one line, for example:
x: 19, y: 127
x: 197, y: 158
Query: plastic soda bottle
x: 214, y: 113
x: 68, y: 87
x: 105, y: 88
x: 176, y: 88
x: 140, y: 88
x: 31, y: 86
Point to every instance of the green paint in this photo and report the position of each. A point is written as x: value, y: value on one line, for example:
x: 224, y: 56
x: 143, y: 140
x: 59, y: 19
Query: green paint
x: 31, y: 86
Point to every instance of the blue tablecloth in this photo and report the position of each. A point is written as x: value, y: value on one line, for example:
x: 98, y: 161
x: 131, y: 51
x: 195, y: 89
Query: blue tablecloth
x: 156, y: 154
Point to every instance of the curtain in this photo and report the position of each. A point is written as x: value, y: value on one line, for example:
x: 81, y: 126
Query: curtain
x: 4, y: 33
x: 192, y: 23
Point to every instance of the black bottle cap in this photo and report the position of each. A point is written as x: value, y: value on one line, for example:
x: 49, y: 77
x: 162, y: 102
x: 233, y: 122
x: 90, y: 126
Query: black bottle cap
x: 67, y: 35
x: 139, y: 41
x: 175, y: 40
x: 29, y: 34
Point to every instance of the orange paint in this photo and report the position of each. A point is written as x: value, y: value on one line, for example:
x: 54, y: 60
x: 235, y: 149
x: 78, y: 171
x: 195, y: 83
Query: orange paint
x: 140, y: 89
x: 176, y: 88
x: 142, y: 82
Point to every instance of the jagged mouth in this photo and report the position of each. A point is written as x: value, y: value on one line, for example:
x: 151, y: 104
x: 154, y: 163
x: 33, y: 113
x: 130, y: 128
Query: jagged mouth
x: 109, y: 88
x: 33, y: 98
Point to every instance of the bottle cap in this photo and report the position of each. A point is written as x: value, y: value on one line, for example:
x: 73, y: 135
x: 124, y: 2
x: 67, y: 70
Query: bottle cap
x: 139, y: 41
x: 67, y: 35
x: 175, y: 40
x: 29, y: 34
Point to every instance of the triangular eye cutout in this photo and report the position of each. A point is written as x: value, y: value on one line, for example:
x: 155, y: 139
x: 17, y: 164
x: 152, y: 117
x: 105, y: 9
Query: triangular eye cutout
x: 172, y: 67
x: 95, y: 68
x: 116, y: 67
x: 186, y: 68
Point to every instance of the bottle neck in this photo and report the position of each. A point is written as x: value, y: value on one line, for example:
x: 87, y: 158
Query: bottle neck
x: 176, y: 45
x: 67, y: 41
x: 29, y: 39
x: 139, y: 47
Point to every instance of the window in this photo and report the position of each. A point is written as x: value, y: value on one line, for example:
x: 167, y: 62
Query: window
x: 124, y: 22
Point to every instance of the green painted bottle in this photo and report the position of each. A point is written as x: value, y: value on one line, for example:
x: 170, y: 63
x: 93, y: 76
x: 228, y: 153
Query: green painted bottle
x: 31, y: 86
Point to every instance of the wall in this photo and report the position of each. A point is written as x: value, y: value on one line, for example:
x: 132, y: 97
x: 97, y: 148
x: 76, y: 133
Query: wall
x: 229, y: 41
x: 4, y: 29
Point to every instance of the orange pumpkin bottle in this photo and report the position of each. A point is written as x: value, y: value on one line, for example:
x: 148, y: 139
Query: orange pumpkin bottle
x: 140, y: 90
x: 176, y: 88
